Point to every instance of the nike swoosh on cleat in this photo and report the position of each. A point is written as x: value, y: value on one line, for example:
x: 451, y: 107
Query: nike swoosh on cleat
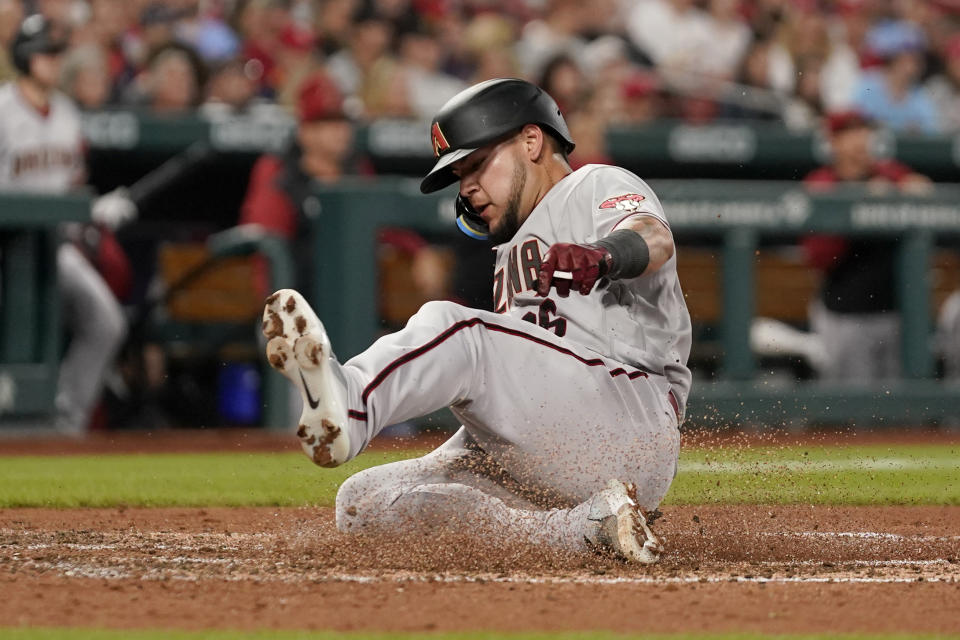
x: 313, y: 403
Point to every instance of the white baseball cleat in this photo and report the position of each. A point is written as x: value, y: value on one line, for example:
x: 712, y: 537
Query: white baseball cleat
x: 622, y: 526
x: 298, y: 347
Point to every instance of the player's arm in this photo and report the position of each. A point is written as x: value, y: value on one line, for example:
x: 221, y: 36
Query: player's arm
x: 641, y: 245
x: 656, y: 236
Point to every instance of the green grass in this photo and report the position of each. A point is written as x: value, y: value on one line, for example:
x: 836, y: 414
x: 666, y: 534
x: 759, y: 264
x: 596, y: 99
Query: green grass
x: 90, y: 634
x: 880, y: 474
x: 877, y: 474
x: 155, y: 480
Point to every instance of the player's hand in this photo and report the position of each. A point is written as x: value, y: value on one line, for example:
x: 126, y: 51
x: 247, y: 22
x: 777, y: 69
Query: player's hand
x: 582, y: 265
x: 113, y: 209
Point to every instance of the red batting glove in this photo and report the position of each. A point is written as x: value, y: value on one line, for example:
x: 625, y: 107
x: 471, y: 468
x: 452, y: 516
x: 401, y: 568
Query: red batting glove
x: 585, y: 262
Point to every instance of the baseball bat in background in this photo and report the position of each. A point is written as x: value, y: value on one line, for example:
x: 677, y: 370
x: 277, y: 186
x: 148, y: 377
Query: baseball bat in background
x: 123, y: 204
x: 167, y: 174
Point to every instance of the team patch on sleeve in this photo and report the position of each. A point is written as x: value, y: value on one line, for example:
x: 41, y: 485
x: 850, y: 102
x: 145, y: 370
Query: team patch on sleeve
x: 628, y: 202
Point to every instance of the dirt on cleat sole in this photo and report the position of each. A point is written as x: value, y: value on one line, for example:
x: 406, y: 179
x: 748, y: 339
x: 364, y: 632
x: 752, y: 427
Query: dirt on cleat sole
x: 298, y: 348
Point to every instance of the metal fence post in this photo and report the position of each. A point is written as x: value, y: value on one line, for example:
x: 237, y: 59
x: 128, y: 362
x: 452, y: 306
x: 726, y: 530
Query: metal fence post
x: 21, y: 288
x: 345, y: 269
x: 913, y: 289
x: 739, y: 248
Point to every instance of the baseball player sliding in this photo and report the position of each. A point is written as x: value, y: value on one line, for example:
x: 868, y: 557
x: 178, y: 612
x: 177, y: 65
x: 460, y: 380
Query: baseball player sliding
x: 570, y: 395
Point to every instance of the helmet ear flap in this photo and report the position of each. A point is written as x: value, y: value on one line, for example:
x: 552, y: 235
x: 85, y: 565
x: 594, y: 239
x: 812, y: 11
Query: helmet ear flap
x: 469, y: 221
x: 21, y: 60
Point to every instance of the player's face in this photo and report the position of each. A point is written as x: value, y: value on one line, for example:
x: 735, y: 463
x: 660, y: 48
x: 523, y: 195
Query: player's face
x: 45, y: 69
x: 853, y: 147
x: 493, y: 179
x: 330, y: 138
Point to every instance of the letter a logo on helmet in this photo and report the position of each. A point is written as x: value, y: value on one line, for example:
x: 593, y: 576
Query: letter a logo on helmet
x: 440, y: 143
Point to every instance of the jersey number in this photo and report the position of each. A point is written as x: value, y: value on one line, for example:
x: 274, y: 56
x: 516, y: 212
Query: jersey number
x: 547, y: 308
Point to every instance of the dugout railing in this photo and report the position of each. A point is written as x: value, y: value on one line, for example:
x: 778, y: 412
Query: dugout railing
x: 735, y: 149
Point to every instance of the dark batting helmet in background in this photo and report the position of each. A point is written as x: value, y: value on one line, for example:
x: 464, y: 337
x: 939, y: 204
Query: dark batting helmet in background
x: 36, y: 35
x: 478, y: 116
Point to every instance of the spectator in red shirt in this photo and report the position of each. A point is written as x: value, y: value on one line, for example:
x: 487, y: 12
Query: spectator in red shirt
x: 280, y: 193
x: 856, y: 314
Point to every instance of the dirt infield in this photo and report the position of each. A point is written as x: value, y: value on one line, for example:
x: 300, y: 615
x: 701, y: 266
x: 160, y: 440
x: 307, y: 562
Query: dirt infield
x: 766, y: 569
x: 755, y: 568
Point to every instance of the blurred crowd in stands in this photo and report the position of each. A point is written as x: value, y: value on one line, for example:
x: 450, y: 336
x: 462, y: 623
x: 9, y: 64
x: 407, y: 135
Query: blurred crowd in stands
x: 605, y: 61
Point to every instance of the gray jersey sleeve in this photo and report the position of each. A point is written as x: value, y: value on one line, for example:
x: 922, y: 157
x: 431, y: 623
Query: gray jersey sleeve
x: 618, y: 196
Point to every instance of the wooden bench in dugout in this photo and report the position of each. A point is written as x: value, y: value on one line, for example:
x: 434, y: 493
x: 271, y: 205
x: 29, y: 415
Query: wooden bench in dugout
x: 784, y: 285
x: 225, y: 293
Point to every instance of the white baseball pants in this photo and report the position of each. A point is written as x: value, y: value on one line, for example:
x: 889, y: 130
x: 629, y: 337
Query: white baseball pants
x: 556, y: 420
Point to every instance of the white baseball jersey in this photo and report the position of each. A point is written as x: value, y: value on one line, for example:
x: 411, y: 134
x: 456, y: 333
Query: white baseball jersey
x: 641, y: 321
x: 43, y: 152
x: 39, y: 151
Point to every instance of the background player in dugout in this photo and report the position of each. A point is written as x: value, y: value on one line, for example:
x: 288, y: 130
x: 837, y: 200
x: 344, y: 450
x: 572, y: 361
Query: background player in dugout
x: 571, y: 396
x: 41, y: 150
x: 856, y: 316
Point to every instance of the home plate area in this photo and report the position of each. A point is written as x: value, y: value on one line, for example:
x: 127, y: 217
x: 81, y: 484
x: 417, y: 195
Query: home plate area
x: 765, y: 568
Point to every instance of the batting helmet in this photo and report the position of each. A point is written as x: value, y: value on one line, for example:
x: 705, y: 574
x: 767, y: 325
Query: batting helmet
x: 36, y: 35
x: 481, y: 114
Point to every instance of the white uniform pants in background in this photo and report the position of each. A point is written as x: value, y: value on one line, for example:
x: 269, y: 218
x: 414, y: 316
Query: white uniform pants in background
x: 97, y: 328
x: 860, y: 347
x: 948, y: 336
x: 553, y: 422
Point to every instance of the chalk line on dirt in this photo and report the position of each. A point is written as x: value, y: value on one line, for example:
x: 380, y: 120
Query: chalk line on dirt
x: 115, y: 572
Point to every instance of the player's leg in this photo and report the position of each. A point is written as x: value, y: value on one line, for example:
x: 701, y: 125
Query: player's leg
x: 455, y: 483
x: 883, y: 331
x: 847, y: 344
x: 948, y: 336
x: 97, y: 328
x: 456, y: 487
x: 862, y: 347
x: 556, y: 416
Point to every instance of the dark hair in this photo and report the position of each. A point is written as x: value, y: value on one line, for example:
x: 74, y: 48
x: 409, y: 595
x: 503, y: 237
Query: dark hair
x: 196, y: 62
x: 546, y: 76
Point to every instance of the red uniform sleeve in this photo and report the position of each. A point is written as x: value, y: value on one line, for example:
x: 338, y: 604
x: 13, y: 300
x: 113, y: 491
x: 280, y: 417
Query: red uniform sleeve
x: 819, y: 179
x: 268, y: 205
x: 892, y: 170
x: 114, y: 265
x: 823, y: 251
x: 265, y: 203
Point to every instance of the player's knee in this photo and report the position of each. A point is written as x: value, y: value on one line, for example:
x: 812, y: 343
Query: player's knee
x: 355, y: 500
x: 109, y: 327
